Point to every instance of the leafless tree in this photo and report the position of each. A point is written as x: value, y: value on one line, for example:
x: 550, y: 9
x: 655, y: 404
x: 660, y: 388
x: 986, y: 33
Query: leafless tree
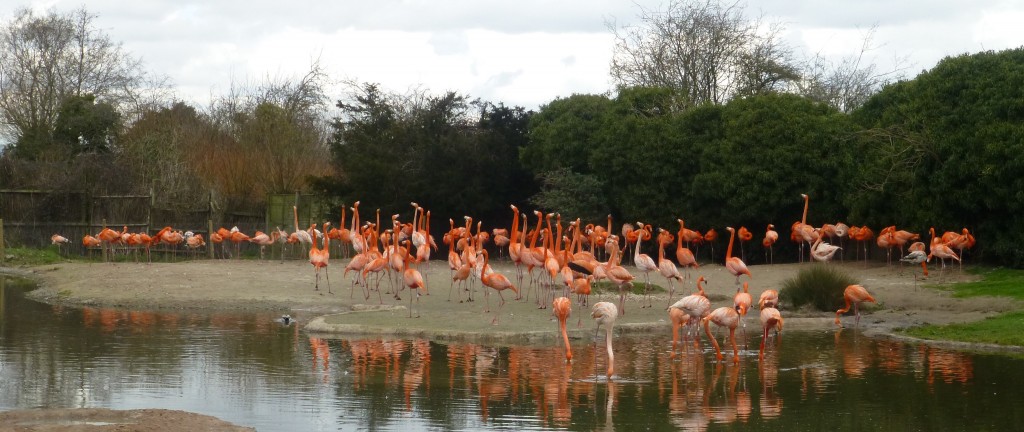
x: 46, y: 58
x: 847, y: 84
x: 707, y: 50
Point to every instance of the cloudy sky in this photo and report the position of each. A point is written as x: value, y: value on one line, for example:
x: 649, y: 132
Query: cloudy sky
x: 525, y: 52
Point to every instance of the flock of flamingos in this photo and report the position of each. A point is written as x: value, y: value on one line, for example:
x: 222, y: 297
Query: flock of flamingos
x: 568, y: 259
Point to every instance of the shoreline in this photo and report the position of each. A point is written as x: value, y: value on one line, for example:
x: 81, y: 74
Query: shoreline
x: 287, y: 287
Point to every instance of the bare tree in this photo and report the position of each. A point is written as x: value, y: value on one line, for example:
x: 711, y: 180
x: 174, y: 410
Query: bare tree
x: 46, y: 59
x: 845, y: 85
x: 708, y: 50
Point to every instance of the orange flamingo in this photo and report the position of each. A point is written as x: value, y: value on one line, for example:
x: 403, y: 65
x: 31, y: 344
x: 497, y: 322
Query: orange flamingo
x: 605, y: 313
x: 684, y: 255
x: 965, y: 240
x: 412, y: 280
x: 744, y: 235
x: 499, y: 283
x: 723, y: 317
x: 710, y: 236
x: 735, y: 265
x: 770, y: 318
x: 619, y: 276
x: 942, y: 251
x: 856, y: 295
x: 741, y: 301
x: 90, y: 242
x: 319, y: 259
x: 679, y: 319
x: 770, y: 237
x: 769, y: 298
x: 562, y: 308
x: 666, y: 267
x: 802, y: 230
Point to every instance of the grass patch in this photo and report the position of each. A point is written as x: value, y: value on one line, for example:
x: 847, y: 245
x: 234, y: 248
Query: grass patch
x: 21, y: 256
x: 1002, y: 330
x: 820, y: 286
x: 995, y: 282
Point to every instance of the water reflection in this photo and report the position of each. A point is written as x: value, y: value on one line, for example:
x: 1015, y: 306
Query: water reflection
x: 252, y: 370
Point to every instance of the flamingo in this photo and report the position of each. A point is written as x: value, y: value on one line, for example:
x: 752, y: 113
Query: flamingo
x: 735, y: 265
x: 821, y: 251
x: 770, y: 318
x: 619, y: 276
x: 695, y: 306
x: 769, y: 298
x: 770, y: 237
x: 723, y: 317
x: 802, y: 230
x: 59, y: 240
x: 562, y: 308
x: 856, y: 295
x: 644, y: 262
x: 605, y: 313
x: 741, y: 301
x: 413, y: 280
x: 917, y: 257
x: 938, y: 249
x: 679, y: 318
x: 745, y: 235
x: 319, y: 259
x: 710, y: 236
x: 684, y: 255
x: 666, y: 267
x: 498, y: 282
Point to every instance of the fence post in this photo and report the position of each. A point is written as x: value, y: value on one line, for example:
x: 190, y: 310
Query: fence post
x: 3, y: 250
x: 149, y: 211
x: 209, y: 234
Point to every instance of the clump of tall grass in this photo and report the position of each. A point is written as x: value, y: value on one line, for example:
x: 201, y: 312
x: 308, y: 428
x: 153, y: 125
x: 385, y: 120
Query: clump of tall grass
x: 820, y: 286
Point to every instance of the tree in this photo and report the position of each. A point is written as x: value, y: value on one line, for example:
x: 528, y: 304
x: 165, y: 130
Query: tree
x: 846, y: 85
x: 86, y: 126
x: 955, y: 131
x: 707, y: 50
x: 45, y: 60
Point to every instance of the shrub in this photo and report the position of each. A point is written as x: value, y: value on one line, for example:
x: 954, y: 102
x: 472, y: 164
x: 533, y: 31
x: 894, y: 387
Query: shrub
x: 820, y: 286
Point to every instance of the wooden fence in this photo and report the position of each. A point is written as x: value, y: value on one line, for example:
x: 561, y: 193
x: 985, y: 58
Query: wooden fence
x: 30, y: 217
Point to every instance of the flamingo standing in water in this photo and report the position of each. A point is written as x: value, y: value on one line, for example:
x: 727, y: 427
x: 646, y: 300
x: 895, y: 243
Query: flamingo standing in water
x: 854, y: 294
x: 605, y: 313
x: 562, y: 308
x: 695, y: 306
x: 723, y: 317
x: 770, y: 318
x: 735, y: 265
x: 741, y: 301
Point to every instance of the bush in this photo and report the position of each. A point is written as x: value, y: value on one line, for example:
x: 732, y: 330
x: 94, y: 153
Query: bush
x: 820, y: 286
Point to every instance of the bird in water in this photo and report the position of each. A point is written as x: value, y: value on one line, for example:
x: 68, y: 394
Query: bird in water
x: 286, y: 319
x: 605, y: 313
x: 854, y: 294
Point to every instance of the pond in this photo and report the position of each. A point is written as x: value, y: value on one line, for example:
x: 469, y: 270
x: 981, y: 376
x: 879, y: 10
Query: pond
x: 248, y: 369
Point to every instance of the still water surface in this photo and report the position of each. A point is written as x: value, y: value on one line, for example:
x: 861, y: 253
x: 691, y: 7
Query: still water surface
x: 250, y: 370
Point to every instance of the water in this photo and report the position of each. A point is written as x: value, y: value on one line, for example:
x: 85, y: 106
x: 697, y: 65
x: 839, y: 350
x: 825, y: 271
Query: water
x: 249, y: 370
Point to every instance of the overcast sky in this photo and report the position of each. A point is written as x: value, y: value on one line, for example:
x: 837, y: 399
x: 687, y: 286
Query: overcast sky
x: 525, y: 52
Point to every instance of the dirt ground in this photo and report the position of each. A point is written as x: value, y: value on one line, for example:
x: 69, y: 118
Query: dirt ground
x: 288, y: 288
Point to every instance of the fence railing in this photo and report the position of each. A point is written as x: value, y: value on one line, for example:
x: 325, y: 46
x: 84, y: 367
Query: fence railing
x: 30, y: 217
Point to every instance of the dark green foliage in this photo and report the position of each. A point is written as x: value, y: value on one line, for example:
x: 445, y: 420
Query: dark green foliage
x: 820, y: 286
x: 950, y: 144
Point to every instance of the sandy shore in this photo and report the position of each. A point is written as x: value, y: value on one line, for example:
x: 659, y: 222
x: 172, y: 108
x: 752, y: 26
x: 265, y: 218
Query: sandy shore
x: 288, y: 287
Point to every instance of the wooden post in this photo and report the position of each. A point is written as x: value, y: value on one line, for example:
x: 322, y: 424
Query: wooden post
x: 209, y: 245
x: 149, y: 211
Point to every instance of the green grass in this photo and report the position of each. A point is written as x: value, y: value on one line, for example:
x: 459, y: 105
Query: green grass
x: 995, y: 282
x: 21, y: 256
x: 1004, y: 329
